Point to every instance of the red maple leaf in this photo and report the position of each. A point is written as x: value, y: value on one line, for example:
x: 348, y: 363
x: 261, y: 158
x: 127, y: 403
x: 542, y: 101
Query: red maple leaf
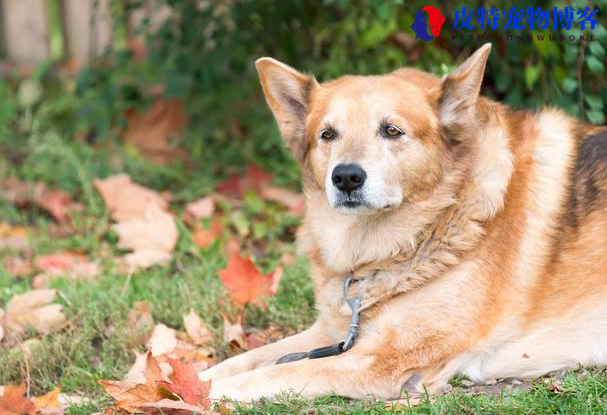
x: 244, y: 281
x: 185, y: 384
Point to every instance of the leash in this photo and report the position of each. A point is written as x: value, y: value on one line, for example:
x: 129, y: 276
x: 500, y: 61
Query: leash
x: 354, y: 303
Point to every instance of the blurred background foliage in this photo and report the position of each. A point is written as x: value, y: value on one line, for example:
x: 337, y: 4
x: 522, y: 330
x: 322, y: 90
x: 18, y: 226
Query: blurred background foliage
x: 62, y: 127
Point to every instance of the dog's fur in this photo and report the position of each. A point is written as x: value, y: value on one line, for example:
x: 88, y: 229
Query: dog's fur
x: 480, y: 235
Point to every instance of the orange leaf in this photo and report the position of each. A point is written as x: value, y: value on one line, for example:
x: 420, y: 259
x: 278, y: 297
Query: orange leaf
x: 50, y: 400
x: 130, y: 396
x: 14, y: 401
x: 204, y: 237
x: 244, y: 281
x: 185, y: 384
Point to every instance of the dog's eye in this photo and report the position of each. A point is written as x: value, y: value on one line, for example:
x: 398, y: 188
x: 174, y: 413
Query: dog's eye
x: 328, y: 134
x: 392, y: 131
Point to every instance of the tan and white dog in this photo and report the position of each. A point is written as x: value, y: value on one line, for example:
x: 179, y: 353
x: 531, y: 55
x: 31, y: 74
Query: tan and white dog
x: 478, y: 234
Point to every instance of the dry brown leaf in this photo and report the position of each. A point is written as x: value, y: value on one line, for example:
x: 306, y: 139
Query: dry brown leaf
x: 55, y: 202
x: 33, y: 309
x: 125, y: 199
x: 163, y: 340
x: 147, y: 393
x: 14, y: 402
x: 152, y: 131
x: 136, y: 373
x: 196, y: 329
x: 18, y: 267
x: 129, y: 395
x: 152, y: 238
x: 233, y: 334
x: 200, y: 209
x: 403, y: 404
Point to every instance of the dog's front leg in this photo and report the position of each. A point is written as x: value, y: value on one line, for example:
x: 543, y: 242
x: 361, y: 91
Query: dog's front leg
x: 355, y: 374
x: 311, y: 338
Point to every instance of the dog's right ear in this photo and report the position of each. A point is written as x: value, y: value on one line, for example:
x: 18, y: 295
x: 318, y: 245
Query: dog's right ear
x: 287, y: 93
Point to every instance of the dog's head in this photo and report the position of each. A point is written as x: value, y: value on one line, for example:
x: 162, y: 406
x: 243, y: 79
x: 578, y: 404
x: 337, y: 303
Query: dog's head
x: 373, y: 143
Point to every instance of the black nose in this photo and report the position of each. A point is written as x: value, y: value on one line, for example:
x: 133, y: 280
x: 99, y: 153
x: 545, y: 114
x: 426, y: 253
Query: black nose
x: 348, y: 177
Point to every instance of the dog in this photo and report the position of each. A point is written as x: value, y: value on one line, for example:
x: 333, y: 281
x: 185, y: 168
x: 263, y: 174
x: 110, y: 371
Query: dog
x: 474, y: 235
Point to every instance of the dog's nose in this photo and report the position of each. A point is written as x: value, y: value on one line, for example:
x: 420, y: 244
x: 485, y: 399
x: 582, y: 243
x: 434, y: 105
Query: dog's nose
x: 348, y: 177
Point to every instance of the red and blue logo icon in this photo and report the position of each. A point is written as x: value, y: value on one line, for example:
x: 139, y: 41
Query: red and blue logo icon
x: 420, y: 24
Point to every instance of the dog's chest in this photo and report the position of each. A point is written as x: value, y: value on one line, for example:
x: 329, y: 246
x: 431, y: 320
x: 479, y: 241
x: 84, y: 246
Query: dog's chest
x: 345, y: 243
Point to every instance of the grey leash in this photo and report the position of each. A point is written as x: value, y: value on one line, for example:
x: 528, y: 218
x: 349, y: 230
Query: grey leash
x: 354, y: 303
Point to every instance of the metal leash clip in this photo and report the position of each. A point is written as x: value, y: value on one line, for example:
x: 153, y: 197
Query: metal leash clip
x: 354, y: 304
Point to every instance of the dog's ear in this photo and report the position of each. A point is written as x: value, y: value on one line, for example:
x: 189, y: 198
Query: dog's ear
x: 460, y: 89
x: 287, y: 93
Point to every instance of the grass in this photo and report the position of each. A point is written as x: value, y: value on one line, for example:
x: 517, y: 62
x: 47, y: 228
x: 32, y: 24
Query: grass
x: 98, y: 343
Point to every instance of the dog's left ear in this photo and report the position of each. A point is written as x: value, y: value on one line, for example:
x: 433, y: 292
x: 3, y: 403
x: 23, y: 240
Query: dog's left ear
x: 288, y: 94
x: 460, y: 89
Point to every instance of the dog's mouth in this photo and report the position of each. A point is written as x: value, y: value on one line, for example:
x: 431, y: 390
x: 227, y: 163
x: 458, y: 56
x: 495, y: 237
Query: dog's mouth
x: 352, y: 203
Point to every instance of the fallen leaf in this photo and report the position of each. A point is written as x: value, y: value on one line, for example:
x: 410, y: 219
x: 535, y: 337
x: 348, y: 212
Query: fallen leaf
x: 163, y: 340
x: 403, y: 404
x: 254, y: 180
x: 125, y: 199
x: 14, y: 402
x: 201, y: 209
x: 147, y: 393
x: 233, y: 334
x: 185, y: 384
x: 55, y: 202
x: 18, y: 267
x: 196, y: 329
x: 204, y: 237
x: 152, y: 131
x: 152, y: 238
x: 50, y: 400
x: 14, y: 237
x: 245, y: 283
x: 136, y: 373
x: 295, y: 202
x: 129, y: 395
x: 33, y: 309
x: 69, y: 264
